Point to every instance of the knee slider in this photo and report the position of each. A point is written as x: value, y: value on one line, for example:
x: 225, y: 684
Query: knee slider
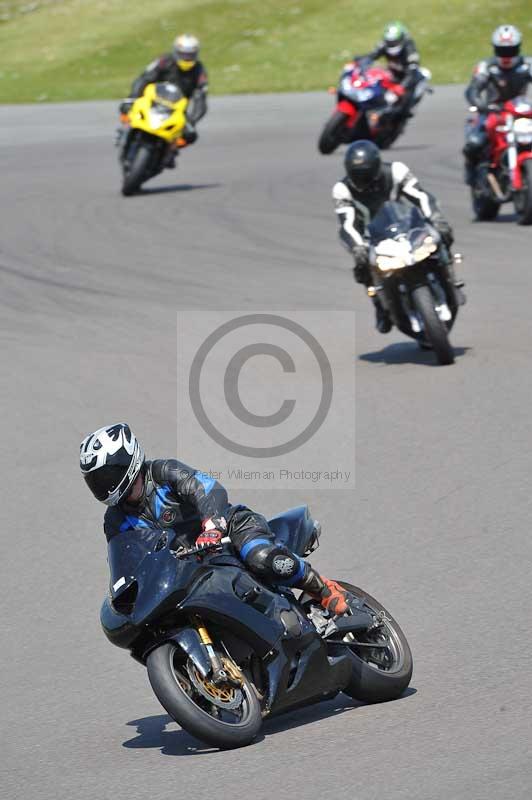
x: 274, y: 562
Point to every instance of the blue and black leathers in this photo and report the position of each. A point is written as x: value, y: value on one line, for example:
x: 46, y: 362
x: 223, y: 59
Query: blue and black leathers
x: 183, y: 500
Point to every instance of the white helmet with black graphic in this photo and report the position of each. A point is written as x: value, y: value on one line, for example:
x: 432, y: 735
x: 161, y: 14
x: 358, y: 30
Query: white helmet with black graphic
x: 506, y: 41
x: 110, y: 460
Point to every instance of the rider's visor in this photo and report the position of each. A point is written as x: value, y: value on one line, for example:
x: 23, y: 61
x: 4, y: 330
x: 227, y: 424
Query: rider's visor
x: 107, y: 480
x: 506, y: 51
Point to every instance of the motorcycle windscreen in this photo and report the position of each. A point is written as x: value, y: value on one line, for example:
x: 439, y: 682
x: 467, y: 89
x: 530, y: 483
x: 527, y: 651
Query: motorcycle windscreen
x: 141, y: 559
x: 395, y: 219
x: 168, y: 93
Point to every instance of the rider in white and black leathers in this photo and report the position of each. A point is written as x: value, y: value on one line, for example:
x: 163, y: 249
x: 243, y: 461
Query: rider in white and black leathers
x: 504, y: 76
x: 193, y: 507
x: 368, y: 184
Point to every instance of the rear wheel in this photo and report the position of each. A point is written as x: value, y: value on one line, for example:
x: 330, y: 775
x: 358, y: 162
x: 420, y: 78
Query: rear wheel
x: 333, y: 133
x: 225, y: 715
x: 435, y: 330
x: 136, y: 172
x: 382, y: 658
x: 523, y: 198
x: 485, y: 207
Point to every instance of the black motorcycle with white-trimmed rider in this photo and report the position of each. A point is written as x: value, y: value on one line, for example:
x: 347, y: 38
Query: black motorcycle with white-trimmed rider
x: 400, y: 243
x: 225, y: 649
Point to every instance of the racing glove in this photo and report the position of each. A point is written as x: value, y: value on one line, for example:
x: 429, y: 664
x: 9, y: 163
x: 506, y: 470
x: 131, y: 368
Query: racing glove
x: 443, y: 228
x: 209, y: 538
x: 125, y: 105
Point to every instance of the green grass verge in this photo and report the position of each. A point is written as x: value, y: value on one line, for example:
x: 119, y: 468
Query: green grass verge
x: 85, y: 49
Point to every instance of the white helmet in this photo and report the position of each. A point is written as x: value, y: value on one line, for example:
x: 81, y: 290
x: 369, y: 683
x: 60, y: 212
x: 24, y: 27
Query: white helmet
x: 186, y: 51
x: 110, y: 460
x: 506, y: 41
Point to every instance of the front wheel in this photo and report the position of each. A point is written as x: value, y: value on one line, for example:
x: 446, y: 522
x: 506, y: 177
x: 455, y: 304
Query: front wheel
x: 222, y: 715
x: 523, y: 198
x: 382, y: 664
x: 135, y: 174
x: 333, y: 133
x: 435, y: 330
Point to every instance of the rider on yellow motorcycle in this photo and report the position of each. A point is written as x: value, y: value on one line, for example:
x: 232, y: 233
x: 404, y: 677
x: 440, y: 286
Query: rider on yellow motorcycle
x: 183, y: 68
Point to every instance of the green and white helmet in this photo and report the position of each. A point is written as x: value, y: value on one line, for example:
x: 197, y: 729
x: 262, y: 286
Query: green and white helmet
x: 394, y: 37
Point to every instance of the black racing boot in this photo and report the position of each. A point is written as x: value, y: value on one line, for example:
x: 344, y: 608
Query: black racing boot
x: 169, y: 159
x: 383, y: 322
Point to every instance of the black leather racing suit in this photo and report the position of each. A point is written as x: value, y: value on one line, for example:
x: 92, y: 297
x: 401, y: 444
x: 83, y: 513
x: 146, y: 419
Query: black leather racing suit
x: 355, y: 209
x: 404, y: 68
x: 181, y: 500
x: 491, y: 84
x: 193, y: 83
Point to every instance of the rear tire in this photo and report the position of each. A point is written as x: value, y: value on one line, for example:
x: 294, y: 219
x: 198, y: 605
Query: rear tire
x: 371, y: 683
x: 435, y: 329
x: 176, y: 693
x: 136, y: 173
x: 523, y: 199
x: 331, y: 135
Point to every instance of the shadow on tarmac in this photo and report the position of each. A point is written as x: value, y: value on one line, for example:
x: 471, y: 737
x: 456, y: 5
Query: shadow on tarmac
x: 151, y: 731
x: 407, y: 353
x: 176, y: 187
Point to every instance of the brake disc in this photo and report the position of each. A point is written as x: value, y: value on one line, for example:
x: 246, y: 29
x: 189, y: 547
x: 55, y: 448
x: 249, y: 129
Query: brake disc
x: 223, y: 695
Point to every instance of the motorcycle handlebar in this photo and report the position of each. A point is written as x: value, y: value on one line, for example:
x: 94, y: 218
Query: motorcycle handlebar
x: 207, y: 548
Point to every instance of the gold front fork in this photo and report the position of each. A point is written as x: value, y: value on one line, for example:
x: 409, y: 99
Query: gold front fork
x: 222, y: 672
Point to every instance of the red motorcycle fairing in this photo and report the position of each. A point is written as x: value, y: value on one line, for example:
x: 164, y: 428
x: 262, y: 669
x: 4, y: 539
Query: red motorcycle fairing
x: 517, y: 176
x: 498, y: 141
x: 347, y: 108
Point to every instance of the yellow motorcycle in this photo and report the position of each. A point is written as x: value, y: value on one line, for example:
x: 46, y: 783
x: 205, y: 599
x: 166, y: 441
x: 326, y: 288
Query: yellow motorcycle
x: 152, y: 133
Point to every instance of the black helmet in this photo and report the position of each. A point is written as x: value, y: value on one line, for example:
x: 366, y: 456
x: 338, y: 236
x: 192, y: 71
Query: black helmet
x: 362, y: 163
x: 110, y: 460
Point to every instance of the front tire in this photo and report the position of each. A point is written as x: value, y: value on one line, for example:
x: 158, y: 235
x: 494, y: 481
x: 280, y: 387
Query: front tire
x: 176, y: 688
x: 137, y: 171
x: 333, y: 133
x: 435, y: 329
x: 383, y: 673
x: 523, y: 198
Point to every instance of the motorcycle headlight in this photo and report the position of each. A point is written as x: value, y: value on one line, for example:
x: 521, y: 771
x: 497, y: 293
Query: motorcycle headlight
x: 523, y: 130
x: 389, y: 263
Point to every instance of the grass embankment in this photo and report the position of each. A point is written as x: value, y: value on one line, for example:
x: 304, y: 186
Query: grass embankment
x: 85, y: 49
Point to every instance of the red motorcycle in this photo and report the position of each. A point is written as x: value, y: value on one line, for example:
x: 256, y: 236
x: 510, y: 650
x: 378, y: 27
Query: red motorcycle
x: 366, y: 97
x: 506, y: 174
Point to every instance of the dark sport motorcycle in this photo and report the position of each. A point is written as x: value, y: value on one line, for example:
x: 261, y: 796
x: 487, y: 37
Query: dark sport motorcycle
x: 364, y: 109
x: 410, y: 279
x: 224, y: 650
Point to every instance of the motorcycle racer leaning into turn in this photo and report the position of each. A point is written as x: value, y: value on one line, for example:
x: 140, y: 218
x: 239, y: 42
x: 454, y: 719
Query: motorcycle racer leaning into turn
x: 403, y: 61
x: 495, y: 80
x: 183, y: 68
x: 357, y: 197
x: 168, y: 494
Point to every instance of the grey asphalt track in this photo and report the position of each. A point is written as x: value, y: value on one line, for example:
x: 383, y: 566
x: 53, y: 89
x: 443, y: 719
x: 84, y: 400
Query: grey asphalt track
x: 438, y: 527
